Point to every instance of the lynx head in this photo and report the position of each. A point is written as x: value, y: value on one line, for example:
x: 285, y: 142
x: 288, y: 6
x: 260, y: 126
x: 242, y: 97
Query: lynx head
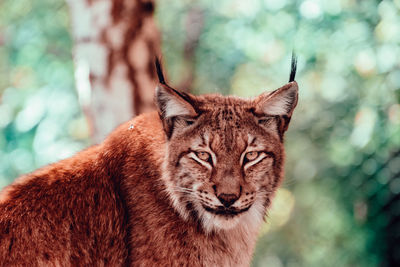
x: 225, y: 155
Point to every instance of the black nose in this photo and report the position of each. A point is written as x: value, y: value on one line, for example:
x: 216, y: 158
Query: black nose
x: 227, y: 199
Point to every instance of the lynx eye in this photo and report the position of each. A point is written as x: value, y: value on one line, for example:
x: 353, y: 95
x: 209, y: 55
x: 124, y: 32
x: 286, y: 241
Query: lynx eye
x: 252, y: 155
x: 189, y: 122
x: 203, y: 155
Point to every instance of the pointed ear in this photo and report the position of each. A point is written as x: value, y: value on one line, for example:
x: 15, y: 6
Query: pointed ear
x: 173, y: 107
x: 274, y: 110
x: 280, y: 102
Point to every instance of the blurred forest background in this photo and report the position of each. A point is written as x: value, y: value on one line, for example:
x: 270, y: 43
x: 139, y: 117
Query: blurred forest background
x: 340, y: 204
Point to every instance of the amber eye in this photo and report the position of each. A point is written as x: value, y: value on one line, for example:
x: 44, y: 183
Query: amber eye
x: 251, y: 155
x: 203, y: 155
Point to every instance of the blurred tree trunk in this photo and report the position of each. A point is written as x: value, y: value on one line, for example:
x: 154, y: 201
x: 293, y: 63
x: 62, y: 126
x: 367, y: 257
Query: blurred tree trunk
x: 115, y: 45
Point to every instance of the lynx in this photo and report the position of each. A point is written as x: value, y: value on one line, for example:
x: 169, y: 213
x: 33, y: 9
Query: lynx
x: 188, y: 185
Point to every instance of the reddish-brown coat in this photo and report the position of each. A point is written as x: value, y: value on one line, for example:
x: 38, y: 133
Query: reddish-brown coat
x: 106, y: 205
x: 112, y: 204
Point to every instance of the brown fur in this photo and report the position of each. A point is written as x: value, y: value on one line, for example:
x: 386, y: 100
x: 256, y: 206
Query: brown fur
x: 135, y: 199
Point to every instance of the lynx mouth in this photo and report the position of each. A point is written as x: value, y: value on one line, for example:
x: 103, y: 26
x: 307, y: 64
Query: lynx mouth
x: 226, y: 212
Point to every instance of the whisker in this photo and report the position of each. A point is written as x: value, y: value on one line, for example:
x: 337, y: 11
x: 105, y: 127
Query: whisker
x: 289, y: 182
x: 186, y: 192
x: 183, y: 189
x: 265, y: 191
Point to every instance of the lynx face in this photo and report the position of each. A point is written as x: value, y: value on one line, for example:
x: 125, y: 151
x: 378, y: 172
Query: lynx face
x: 224, y: 155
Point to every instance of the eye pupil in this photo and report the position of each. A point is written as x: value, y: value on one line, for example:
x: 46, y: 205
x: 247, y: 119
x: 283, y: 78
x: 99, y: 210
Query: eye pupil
x: 203, y: 155
x: 252, y: 155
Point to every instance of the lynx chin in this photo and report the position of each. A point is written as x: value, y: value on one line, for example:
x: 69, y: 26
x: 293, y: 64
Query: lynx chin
x: 188, y: 185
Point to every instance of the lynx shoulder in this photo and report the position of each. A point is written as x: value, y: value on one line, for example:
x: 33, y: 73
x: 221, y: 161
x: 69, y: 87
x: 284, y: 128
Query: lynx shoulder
x: 187, y: 185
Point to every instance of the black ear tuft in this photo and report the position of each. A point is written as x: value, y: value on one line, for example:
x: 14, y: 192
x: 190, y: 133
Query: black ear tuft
x: 159, y: 71
x: 293, y: 67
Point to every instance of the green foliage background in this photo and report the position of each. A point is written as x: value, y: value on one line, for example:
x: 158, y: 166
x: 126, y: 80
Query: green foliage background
x: 343, y: 165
